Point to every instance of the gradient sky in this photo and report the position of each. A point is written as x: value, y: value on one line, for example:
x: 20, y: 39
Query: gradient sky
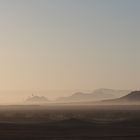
x: 69, y: 44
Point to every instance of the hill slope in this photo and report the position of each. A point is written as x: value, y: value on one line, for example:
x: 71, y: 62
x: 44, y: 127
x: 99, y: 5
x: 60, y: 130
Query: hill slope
x: 131, y: 98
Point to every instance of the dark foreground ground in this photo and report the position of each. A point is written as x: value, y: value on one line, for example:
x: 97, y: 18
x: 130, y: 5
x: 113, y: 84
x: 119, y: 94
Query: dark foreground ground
x: 70, y: 123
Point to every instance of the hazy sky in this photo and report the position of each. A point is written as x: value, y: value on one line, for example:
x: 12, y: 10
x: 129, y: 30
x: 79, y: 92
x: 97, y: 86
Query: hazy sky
x: 69, y: 44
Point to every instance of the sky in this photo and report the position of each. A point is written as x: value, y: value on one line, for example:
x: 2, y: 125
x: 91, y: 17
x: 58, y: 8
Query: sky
x: 69, y: 44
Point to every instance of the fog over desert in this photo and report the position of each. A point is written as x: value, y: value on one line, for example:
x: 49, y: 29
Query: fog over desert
x: 69, y: 70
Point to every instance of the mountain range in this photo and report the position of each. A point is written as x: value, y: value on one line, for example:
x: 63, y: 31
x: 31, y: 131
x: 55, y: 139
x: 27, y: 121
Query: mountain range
x: 97, y: 95
x: 100, y: 96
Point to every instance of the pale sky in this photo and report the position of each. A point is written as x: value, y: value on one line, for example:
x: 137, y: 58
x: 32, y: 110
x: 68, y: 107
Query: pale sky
x: 69, y: 44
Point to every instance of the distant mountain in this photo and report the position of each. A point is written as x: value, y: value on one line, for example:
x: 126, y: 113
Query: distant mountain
x: 114, y: 92
x: 133, y: 97
x: 97, y: 95
x: 37, y: 99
